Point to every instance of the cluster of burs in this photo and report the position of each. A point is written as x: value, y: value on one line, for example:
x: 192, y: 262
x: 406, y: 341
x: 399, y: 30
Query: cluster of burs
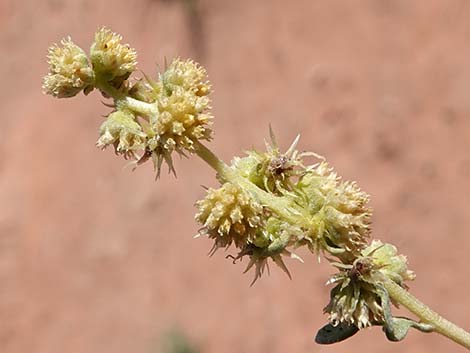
x: 269, y: 202
x: 177, y: 103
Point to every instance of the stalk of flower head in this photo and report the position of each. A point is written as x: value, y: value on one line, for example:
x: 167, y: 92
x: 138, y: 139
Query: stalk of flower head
x: 269, y: 203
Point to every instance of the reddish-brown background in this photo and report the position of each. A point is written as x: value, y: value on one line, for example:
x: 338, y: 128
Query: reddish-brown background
x: 96, y: 258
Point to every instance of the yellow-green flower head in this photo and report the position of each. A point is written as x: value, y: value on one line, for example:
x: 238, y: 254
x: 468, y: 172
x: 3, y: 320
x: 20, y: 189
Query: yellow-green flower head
x: 272, y: 170
x: 183, y: 119
x: 339, y: 216
x: 69, y: 70
x: 187, y: 75
x: 356, y: 299
x: 388, y: 263
x: 229, y: 215
x: 122, y: 131
x: 112, y: 60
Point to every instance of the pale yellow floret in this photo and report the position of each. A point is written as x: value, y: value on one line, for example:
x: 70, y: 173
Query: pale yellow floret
x: 69, y: 70
x: 188, y: 75
x: 110, y: 58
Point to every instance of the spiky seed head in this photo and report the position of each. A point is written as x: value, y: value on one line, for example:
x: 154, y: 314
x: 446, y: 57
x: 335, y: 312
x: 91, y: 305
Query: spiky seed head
x: 229, y: 215
x: 184, y: 114
x: 69, y: 70
x: 121, y: 130
x: 339, y: 215
x: 272, y: 170
x: 111, y: 59
x: 356, y: 298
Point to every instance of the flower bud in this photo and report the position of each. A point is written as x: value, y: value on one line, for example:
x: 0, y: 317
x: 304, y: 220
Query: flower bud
x: 122, y: 131
x: 69, y: 71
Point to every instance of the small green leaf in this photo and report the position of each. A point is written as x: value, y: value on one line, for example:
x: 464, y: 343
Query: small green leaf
x: 396, y: 328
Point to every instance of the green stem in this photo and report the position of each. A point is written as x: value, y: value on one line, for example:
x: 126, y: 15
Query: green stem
x: 137, y: 106
x: 427, y: 315
x: 109, y: 90
x: 210, y: 158
x: 121, y: 100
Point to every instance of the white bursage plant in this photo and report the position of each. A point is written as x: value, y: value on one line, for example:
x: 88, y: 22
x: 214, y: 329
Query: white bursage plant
x: 269, y: 203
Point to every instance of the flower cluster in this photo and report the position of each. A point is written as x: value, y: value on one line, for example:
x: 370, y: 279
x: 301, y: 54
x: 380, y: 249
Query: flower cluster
x: 229, y: 215
x: 69, y: 71
x: 337, y: 213
x: 356, y: 299
x: 330, y: 216
x: 152, y: 118
x: 272, y: 170
x: 183, y: 112
x: 177, y: 114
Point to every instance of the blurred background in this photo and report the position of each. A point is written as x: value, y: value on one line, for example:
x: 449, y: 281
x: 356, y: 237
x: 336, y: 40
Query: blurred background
x: 97, y: 258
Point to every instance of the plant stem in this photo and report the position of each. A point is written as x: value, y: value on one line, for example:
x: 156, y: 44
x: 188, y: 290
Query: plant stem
x: 427, y: 315
x: 137, y: 106
x: 122, y: 100
x: 210, y: 158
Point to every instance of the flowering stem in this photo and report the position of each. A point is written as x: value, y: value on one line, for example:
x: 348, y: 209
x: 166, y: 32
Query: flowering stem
x: 319, y: 209
x: 287, y: 210
x: 426, y: 314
